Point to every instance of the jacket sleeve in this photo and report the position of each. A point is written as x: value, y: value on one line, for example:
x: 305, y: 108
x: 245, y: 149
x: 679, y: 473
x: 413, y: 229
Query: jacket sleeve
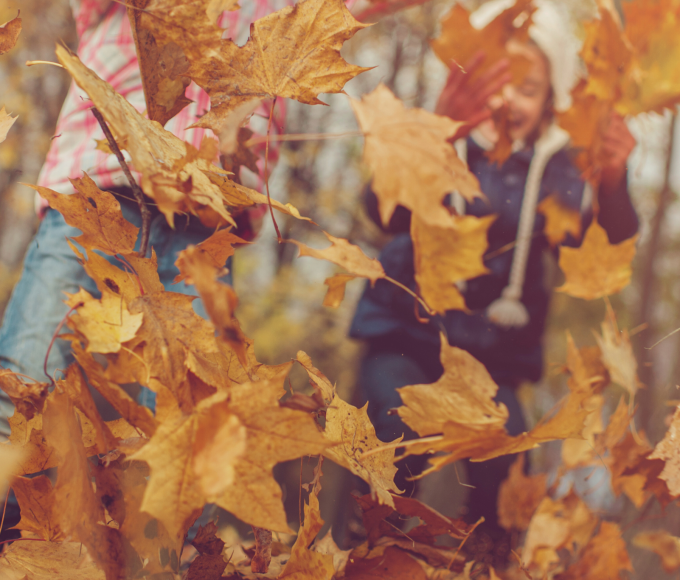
x: 617, y: 214
x: 401, y: 218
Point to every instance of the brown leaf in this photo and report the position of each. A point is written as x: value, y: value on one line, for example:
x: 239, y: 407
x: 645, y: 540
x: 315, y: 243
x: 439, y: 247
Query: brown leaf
x: 6, y: 122
x: 165, y: 162
x: 96, y: 213
x: 36, y: 502
x: 459, y: 40
x: 218, y: 248
x: 263, y: 551
x: 664, y: 545
x: 597, y: 268
x: 28, y: 398
x: 667, y: 449
x: 350, y: 431
x: 48, y: 561
x: 209, y: 564
x: 560, y: 221
x: 605, y: 556
x: 405, y: 148
x: 392, y: 563
x: 9, y: 34
x: 293, y: 53
x: 519, y: 495
x: 346, y: 255
x: 336, y: 289
x: 444, y: 256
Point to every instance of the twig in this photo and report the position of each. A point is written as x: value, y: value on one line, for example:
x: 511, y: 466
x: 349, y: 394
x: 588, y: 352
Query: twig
x: 266, y: 172
x: 302, y: 137
x: 412, y: 293
x: 136, y: 190
x: 34, y: 62
x: 400, y: 444
x: 4, y: 510
x: 474, y: 527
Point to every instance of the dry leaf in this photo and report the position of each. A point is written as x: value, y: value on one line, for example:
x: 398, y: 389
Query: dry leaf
x: 336, y: 289
x: 48, y: 561
x: 209, y: 564
x: 406, y: 149
x: 519, y: 496
x: 597, y: 268
x: 9, y: 34
x: 6, y: 122
x: 560, y: 221
x: 459, y: 40
x: 667, y: 449
x: 305, y: 564
x: 36, y: 502
x: 393, y: 563
x: 96, y: 213
x: 617, y: 354
x: 444, y: 256
x: 346, y: 255
x: 664, y: 545
x: 219, y: 248
x: 293, y: 53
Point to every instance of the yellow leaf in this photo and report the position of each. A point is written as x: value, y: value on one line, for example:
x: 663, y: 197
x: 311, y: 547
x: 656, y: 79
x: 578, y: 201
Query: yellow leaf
x: 667, y: 449
x: 446, y: 255
x: 48, y: 561
x: 293, y: 53
x: 597, y: 268
x: 347, y: 255
x: 336, y: 289
x: 6, y: 122
x: 560, y: 221
x: 410, y: 158
x: 519, y: 495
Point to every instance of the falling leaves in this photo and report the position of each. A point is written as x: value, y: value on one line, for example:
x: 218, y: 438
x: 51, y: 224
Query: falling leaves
x: 560, y: 221
x: 664, y: 545
x: 405, y: 148
x: 6, y: 122
x: 667, y: 449
x: 519, y: 496
x: 597, y: 268
x: 293, y: 53
x: 9, y: 34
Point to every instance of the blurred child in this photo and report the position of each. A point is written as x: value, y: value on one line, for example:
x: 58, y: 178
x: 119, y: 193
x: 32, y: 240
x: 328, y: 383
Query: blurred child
x: 508, y: 306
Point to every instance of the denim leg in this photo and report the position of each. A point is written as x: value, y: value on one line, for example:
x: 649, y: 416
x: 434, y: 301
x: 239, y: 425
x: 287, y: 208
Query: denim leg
x: 487, y: 476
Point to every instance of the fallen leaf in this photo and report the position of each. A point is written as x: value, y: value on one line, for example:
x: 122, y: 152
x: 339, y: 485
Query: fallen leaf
x: 9, y: 34
x: 393, y: 563
x: 6, y: 122
x: 597, y: 268
x: 459, y: 40
x: 346, y: 255
x: 48, y: 561
x: 336, y: 289
x: 519, y: 495
x: 219, y: 247
x: 36, y: 502
x: 405, y: 148
x: 667, y: 449
x: 560, y: 221
x: 664, y: 545
x: 209, y: 564
x: 292, y: 53
x: 305, y: 564
x: 444, y: 256
x: 617, y: 354
x: 96, y: 213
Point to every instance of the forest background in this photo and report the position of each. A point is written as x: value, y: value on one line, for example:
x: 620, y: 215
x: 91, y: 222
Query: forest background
x: 282, y: 307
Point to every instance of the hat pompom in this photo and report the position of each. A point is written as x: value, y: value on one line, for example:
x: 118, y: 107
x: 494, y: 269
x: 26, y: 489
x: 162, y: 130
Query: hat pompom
x: 508, y: 312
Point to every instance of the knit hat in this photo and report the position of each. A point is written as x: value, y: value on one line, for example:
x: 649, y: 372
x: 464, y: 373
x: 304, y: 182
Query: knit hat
x: 552, y: 30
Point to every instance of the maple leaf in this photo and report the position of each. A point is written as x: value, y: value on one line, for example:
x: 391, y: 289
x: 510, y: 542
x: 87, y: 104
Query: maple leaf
x: 219, y: 247
x: 556, y: 524
x: 9, y: 34
x: 346, y: 255
x: 444, y: 256
x: 597, y: 268
x: 560, y: 221
x: 351, y: 431
x: 519, y: 495
x: 459, y: 40
x: 305, y: 564
x: 410, y: 159
x: 6, y: 122
x: 165, y: 161
x: 209, y: 564
x: 663, y: 544
x: 390, y: 562
x: 96, y: 213
x: 667, y: 449
x: 336, y: 289
x: 293, y: 53
x: 605, y: 556
x: 105, y: 323
x: 48, y: 561
x: 37, y: 504
x: 577, y: 452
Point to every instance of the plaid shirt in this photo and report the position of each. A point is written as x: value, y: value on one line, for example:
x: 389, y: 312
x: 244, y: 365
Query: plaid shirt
x: 108, y: 48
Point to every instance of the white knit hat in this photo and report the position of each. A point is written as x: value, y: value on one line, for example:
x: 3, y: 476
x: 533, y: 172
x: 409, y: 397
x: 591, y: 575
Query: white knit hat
x: 552, y: 30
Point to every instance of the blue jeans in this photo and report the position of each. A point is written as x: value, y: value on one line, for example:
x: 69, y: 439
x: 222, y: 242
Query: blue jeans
x: 51, y: 268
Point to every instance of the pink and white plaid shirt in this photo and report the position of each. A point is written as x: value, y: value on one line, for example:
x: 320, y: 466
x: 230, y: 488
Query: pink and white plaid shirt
x: 108, y: 48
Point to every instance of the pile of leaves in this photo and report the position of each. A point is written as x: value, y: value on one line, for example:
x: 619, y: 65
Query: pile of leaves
x: 127, y: 491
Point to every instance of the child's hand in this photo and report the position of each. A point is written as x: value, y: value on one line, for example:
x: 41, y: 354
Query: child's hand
x: 465, y: 101
x: 617, y: 145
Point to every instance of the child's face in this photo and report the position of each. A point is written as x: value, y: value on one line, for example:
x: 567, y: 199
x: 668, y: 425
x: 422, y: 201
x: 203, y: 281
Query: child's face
x: 528, y: 102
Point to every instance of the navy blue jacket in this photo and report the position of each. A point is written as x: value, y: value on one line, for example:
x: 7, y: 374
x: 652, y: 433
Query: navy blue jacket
x: 387, y: 314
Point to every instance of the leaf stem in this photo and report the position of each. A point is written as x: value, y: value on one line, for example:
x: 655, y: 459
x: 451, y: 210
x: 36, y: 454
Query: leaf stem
x: 54, y: 337
x: 400, y: 444
x: 266, y: 171
x: 302, y: 137
x: 412, y: 293
x: 136, y: 190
